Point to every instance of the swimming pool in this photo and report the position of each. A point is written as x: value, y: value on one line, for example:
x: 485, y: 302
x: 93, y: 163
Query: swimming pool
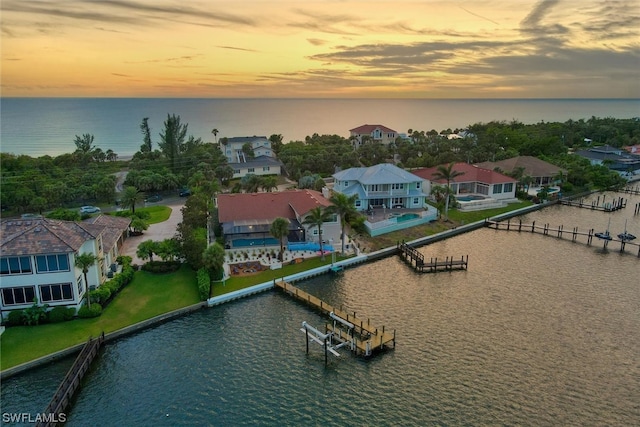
x: 244, y: 243
x: 309, y: 246
x: 407, y: 217
x: 469, y: 198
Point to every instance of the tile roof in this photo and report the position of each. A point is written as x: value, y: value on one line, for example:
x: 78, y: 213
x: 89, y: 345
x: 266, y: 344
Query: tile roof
x: 268, y: 206
x: 532, y: 166
x: 472, y: 173
x: 45, y: 236
x: 383, y: 173
x: 367, y: 129
x: 114, y: 226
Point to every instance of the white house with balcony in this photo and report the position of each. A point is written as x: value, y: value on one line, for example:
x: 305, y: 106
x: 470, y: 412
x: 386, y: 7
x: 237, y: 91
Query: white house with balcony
x: 262, y: 162
x: 38, y: 259
x: 381, y: 186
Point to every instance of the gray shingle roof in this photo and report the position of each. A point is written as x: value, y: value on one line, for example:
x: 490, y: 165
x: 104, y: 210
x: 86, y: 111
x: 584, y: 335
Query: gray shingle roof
x: 383, y: 173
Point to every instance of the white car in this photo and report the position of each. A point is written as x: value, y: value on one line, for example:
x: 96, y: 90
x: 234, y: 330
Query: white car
x: 89, y: 209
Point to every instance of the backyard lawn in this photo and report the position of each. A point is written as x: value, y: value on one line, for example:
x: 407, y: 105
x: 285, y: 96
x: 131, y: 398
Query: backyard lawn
x: 144, y: 298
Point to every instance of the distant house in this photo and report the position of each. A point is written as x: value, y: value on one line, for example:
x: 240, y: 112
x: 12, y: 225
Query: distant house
x: 375, y: 133
x: 543, y: 173
x: 246, y: 218
x: 38, y: 259
x: 616, y: 159
x: 263, y: 162
x: 382, y: 185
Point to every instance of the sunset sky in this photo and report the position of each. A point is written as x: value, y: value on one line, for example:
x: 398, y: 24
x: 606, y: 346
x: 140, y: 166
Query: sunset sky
x: 321, y: 49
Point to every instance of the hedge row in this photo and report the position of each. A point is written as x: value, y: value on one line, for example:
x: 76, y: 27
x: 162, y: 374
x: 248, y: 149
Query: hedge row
x: 204, y: 284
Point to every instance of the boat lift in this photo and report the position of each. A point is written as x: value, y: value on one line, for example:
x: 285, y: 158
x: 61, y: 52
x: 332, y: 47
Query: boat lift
x: 332, y: 340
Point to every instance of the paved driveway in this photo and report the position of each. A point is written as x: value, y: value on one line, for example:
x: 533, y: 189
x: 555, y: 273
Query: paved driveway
x: 156, y: 232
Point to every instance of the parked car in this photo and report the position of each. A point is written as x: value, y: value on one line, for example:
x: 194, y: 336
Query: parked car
x: 153, y: 199
x: 89, y: 209
x: 185, y: 192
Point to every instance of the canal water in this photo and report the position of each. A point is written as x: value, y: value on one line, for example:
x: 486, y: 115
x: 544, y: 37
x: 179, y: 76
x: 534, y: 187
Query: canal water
x: 539, y: 331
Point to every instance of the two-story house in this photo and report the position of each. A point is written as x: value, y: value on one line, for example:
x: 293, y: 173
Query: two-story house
x: 262, y: 161
x: 381, y: 186
x: 374, y: 133
x: 37, y: 259
x: 246, y: 218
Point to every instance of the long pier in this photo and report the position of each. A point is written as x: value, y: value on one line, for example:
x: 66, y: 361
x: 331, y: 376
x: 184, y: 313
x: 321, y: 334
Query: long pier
x: 55, y: 409
x: 595, y: 205
x: 560, y: 232
x: 416, y: 259
x: 366, y: 338
x: 630, y: 190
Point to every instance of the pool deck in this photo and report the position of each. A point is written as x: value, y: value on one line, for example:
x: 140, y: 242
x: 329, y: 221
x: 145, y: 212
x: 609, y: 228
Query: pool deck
x: 380, y: 214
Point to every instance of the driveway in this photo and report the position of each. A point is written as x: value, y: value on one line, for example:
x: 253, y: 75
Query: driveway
x: 156, y: 232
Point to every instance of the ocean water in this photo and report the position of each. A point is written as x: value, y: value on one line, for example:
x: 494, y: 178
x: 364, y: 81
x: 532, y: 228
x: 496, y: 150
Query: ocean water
x: 539, y: 331
x: 38, y: 126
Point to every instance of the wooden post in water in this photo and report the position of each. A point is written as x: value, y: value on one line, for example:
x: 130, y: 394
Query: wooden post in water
x: 533, y: 227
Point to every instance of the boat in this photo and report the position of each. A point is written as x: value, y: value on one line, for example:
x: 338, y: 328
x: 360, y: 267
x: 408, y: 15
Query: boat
x: 605, y: 235
x: 626, y: 237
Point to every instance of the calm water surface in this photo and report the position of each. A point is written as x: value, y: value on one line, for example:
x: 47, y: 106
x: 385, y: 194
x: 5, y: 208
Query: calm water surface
x: 537, y: 332
x: 38, y: 126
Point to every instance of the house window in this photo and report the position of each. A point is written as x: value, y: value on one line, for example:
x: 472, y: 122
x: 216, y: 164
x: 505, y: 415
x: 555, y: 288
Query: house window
x: 265, y: 169
x: 15, y: 265
x: 267, y: 153
x: 497, y: 188
x: 416, y: 200
x: 358, y: 204
x: 51, y: 263
x: 418, y: 184
x: 251, y: 170
x: 57, y: 292
x: 345, y: 183
x: 315, y: 232
x: 80, y: 283
x: 398, y: 186
x: 18, y: 295
x: 508, y: 187
x: 236, y: 171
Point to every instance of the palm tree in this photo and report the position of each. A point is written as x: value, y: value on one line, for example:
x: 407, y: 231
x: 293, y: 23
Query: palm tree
x: 447, y: 173
x: 130, y: 198
x: 84, y: 262
x: 279, y: 230
x: 215, y: 134
x: 344, y: 206
x: 213, y: 260
x: 146, y: 250
x: 316, y: 217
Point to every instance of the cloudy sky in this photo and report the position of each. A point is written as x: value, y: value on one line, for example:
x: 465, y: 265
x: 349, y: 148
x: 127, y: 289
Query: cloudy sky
x: 323, y: 49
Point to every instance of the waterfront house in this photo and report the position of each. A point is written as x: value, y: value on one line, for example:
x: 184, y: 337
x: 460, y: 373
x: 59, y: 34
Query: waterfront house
x: 476, y: 188
x: 617, y: 159
x: 262, y: 162
x: 374, y: 133
x: 541, y: 172
x: 38, y: 259
x: 381, y: 186
x: 246, y: 218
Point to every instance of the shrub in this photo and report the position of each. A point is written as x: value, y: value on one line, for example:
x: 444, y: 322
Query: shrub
x: 204, y: 283
x: 161, y: 266
x: 35, y: 314
x: 101, y: 295
x: 86, y: 312
x: 16, y: 318
x: 61, y: 314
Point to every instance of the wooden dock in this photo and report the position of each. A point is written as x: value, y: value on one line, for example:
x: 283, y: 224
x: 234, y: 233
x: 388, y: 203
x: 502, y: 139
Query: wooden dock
x: 596, y: 205
x: 55, y: 411
x: 366, y: 338
x: 559, y: 233
x: 416, y: 259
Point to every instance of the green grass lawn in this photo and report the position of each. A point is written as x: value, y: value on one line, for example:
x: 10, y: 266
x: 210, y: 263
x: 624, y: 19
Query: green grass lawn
x: 158, y: 213
x: 145, y: 297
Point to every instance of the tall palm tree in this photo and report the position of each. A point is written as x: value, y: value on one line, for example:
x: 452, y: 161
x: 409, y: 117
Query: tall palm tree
x: 84, y: 262
x: 213, y: 260
x: 316, y: 217
x: 215, y: 134
x: 279, y: 230
x: 344, y: 206
x: 447, y: 173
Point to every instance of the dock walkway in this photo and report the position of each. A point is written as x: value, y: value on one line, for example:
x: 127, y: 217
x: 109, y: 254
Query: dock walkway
x: 367, y: 338
x: 416, y: 259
